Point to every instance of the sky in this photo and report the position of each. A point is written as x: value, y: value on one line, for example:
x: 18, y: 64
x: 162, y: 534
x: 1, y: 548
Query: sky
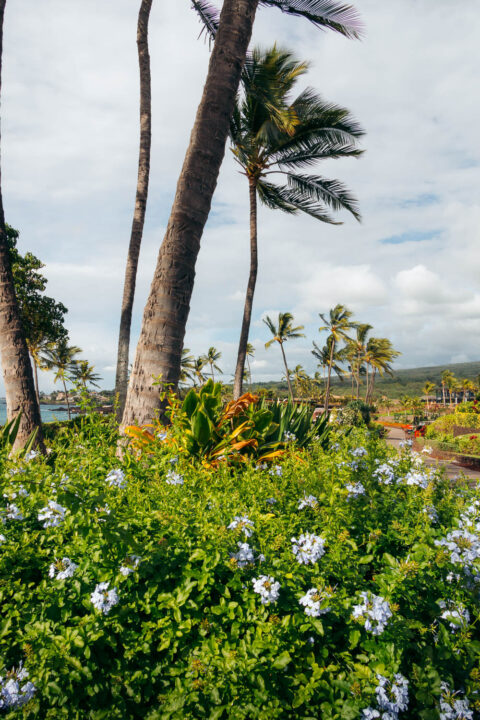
x: 70, y: 128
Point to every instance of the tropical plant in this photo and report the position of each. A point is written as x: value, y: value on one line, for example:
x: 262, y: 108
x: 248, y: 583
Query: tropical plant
x: 295, y: 423
x: 447, y: 381
x: 301, y: 380
x: 326, y: 359
x: 355, y: 353
x: 84, y: 373
x: 337, y: 324
x: 428, y: 388
x: 276, y: 135
x: 197, y: 368
x: 187, y: 365
x: 167, y: 308
x: 249, y: 353
x: 61, y: 358
x: 379, y: 353
x: 282, y: 332
x: 17, y: 370
x: 211, y: 359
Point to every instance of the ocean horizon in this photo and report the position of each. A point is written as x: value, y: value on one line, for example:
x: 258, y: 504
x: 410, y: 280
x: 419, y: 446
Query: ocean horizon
x: 49, y: 413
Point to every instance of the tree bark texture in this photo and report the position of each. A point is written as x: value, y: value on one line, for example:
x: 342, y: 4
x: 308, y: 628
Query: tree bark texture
x: 252, y: 281
x: 17, y: 370
x: 165, y: 316
x: 121, y: 379
x: 286, y: 371
x: 35, y: 380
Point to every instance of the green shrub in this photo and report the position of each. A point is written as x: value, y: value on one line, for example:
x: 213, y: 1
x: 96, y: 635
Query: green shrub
x: 185, y: 633
x: 355, y: 413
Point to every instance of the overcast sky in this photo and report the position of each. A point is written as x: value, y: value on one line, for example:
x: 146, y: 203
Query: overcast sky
x: 69, y: 165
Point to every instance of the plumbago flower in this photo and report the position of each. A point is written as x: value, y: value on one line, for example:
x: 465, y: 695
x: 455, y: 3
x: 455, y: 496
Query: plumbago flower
x: 358, y: 452
x: 308, y: 548
x: 173, y: 478
x: 463, y: 545
x: 385, y: 474
x: 14, y: 694
x: 245, y: 555
x: 392, y: 696
x: 314, y: 602
x: 52, y: 515
x: 277, y: 470
x: 62, y: 569
x: 457, y: 616
x: 268, y: 588
x: 130, y: 564
x: 431, y: 513
x: 355, y: 490
x: 416, y: 477
x: 453, y: 707
x: 243, y: 524
x: 104, y: 599
x: 308, y: 501
x: 12, y: 512
x: 2, y: 538
x: 375, y: 610
x: 116, y: 478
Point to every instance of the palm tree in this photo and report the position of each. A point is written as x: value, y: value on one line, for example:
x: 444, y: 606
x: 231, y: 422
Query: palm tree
x: 274, y: 134
x: 428, y: 388
x: 249, y: 353
x: 197, y: 367
x: 325, y: 357
x: 281, y: 333
x: 337, y: 324
x: 17, y: 370
x: 166, y: 312
x: 301, y: 380
x: 187, y: 365
x: 447, y: 378
x: 61, y: 357
x: 211, y: 358
x: 379, y: 353
x: 85, y: 373
x: 356, y: 349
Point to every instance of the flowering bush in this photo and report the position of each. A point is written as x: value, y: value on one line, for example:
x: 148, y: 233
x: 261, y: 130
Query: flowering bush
x: 344, y: 586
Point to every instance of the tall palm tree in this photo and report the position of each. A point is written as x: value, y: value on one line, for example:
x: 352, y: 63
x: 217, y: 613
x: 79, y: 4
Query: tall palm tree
x: 61, y: 357
x: 16, y: 367
x: 428, y: 388
x: 187, y: 364
x: 447, y: 379
x: 282, y: 332
x: 197, y: 367
x: 274, y: 134
x: 379, y: 353
x: 85, y: 373
x: 324, y: 357
x: 356, y: 348
x: 166, y: 312
x: 338, y: 324
x: 249, y: 353
x: 121, y: 379
x: 211, y: 359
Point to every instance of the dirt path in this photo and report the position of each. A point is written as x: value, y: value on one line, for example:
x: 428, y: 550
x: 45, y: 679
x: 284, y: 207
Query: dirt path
x: 453, y: 470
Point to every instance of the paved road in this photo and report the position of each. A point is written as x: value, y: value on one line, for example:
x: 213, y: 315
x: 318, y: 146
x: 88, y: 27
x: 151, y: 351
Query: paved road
x: 453, y: 470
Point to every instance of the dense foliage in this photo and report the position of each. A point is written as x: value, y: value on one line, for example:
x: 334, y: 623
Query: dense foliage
x: 332, y: 584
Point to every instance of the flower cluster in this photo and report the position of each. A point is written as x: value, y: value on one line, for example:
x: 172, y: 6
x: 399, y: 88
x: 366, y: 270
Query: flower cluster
x: 14, y: 694
x: 314, y: 602
x: 130, y: 564
x: 271, y: 501
x: 244, y: 556
x: 308, y: 501
x: 308, y: 548
x: 268, y: 589
x: 375, y: 610
x: 12, y: 512
x: 392, y: 698
x: 277, y: 470
x: 116, y: 478
x: 358, y: 452
x: 453, y: 707
x: 104, y: 599
x: 355, y: 490
x: 431, y: 513
x: 416, y: 477
x: 173, y: 478
x: 289, y: 436
x: 385, y: 474
x: 457, y: 616
x: 52, y: 515
x: 62, y: 569
x: 243, y: 524
x: 464, y: 547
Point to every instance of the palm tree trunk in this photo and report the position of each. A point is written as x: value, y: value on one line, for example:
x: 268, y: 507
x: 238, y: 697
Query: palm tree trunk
x: 66, y: 398
x: 163, y: 329
x: 16, y: 366
x: 286, y: 372
x: 211, y: 370
x: 327, y: 389
x: 35, y: 378
x: 252, y: 280
x: 121, y: 379
x: 367, y: 380
x: 249, y: 372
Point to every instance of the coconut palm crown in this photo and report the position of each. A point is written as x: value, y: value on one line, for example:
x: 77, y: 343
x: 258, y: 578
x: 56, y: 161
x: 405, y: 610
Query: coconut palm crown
x: 282, y: 332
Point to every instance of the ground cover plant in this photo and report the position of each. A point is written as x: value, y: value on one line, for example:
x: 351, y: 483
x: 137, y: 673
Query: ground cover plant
x: 330, y: 583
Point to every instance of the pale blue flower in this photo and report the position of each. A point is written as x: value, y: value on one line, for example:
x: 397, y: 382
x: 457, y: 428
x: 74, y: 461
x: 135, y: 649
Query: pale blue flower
x: 243, y: 524
x: 14, y: 694
x: 268, y: 589
x: 62, y: 569
x: 375, y: 610
x: 52, y: 515
x: 173, y: 478
x: 104, y: 599
x: 308, y: 501
x: 116, y: 478
x: 313, y: 602
x: 308, y: 548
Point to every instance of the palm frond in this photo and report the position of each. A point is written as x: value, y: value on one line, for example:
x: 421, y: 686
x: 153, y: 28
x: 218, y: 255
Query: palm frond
x: 292, y: 201
x: 332, y: 192
x: 209, y: 16
x: 340, y: 17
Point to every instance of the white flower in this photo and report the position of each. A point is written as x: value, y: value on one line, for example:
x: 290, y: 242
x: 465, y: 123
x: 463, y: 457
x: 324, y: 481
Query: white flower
x: 313, y: 601
x: 116, y: 478
x: 308, y: 501
x: 174, y: 460
x: 104, y: 599
x: 405, y: 444
x: 375, y: 610
x: 464, y: 547
x: 268, y: 589
x: 369, y: 714
x: 289, y: 436
x: 62, y: 569
x: 308, y: 548
x: 416, y: 477
x: 173, y: 478
x: 277, y: 470
x: 52, y: 515
x: 392, y: 697
x: 243, y: 524
x: 452, y: 707
x: 271, y: 501
x: 162, y: 436
x: 427, y: 450
x: 431, y: 512
x: 130, y: 564
x: 355, y: 490
x: 244, y: 556
x: 13, y: 513
x: 2, y: 538
x: 261, y: 466
x: 358, y: 452
x: 31, y: 455
x: 457, y: 616
x: 385, y: 474
x: 12, y: 693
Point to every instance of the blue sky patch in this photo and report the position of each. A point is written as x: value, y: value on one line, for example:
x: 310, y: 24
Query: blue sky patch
x: 410, y: 236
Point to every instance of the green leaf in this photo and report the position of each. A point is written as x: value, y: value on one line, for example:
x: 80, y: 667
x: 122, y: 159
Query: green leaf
x: 201, y: 428
x: 282, y: 660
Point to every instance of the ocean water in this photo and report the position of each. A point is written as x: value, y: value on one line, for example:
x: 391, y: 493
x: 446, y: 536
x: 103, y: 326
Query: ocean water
x: 48, y: 412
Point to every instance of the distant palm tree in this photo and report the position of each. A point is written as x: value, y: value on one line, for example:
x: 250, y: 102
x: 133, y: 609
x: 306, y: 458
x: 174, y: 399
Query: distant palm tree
x: 281, y: 333
x: 211, y: 359
x: 198, y: 365
x: 379, y: 353
x: 428, y: 388
x: 324, y: 356
x: 61, y: 357
x: 338, y: 324
x: 85, y: 373
x: 187, y: 365
x: 301, y: 379
x: 276, y: 134
x: 447, y: 380
x: 249, y: 353
x: 356, y: 348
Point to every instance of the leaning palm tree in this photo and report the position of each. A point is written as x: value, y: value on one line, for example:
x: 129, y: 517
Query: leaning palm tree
x: 187, y: 364
x: 211, y: 359
x: 61, y: 357
x: 17, y: 370
x: 85, y: 374
x: 166, y: 312
x: 281, y: 333
x: 338, y: 324
x: 428, y: 388
x: 379, y: 354
x: 356, y: 348
x: 326, y: 359
x: 197, y: 367
x: 277, y: 135
x: 249, y: 353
